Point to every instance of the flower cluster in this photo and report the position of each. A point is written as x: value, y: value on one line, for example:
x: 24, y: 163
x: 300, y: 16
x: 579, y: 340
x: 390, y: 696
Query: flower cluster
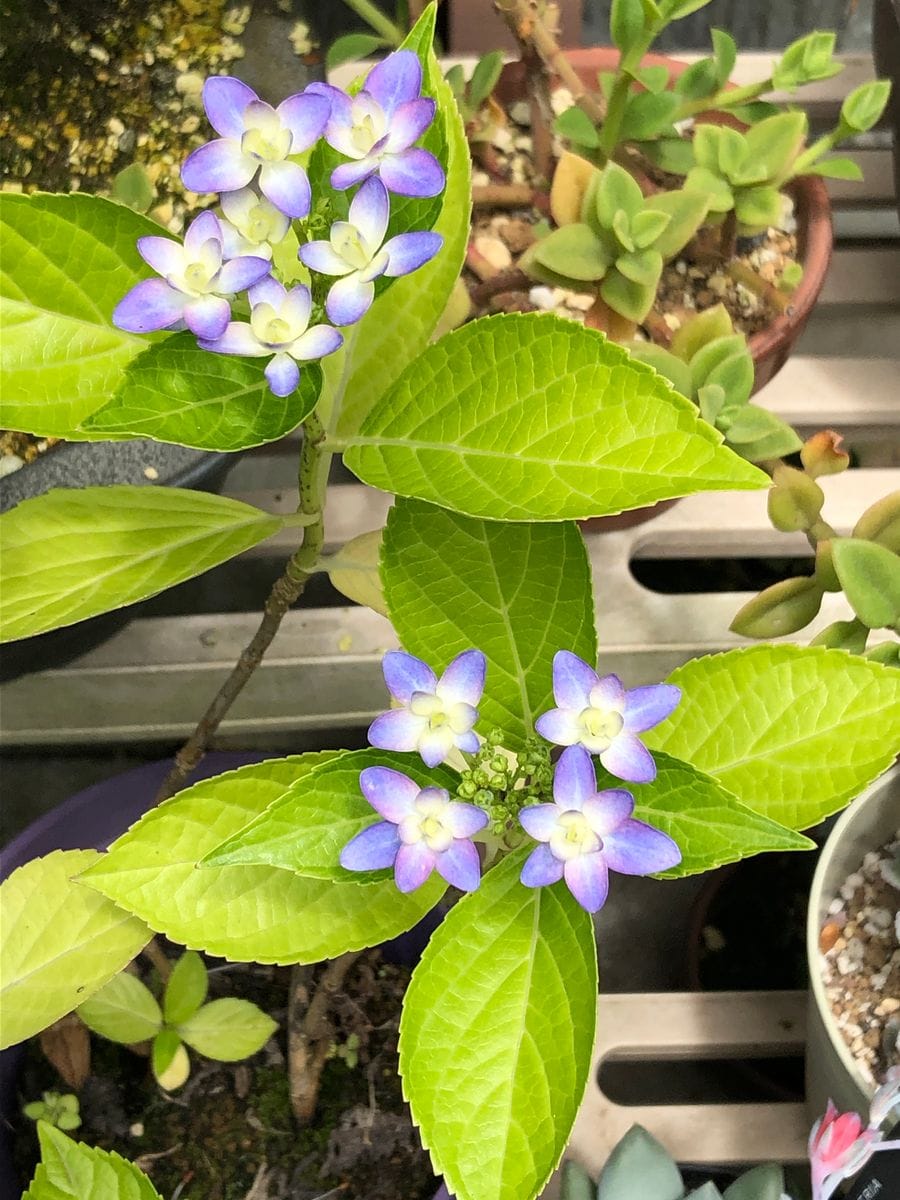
x: 253, y: 166
x: 582, y: 835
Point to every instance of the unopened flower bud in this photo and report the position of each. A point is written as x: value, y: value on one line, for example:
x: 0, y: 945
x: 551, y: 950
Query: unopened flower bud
x: 881, y: 523
x: 782, y: 608
x: 822, y: 454
x: 795, y: 500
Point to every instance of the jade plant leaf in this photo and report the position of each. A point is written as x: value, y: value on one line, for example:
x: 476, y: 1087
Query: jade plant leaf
x: 574, y: 251
x: 175, y: 392
x: 185, y: 988
x: 793, y: 732
x: 228, y: 1030
x: 870, y: 577
x: 639, y: 1156
x: 124, y: 1010
x: 516, y: 592
x: 61, y: 942
x: 305, y: 829
x: 534, y: 418
x: 686, y: 210
x: 246, y: 914
x: 710, y: 825
x: 67, y: 262
x: 499, y: 1015
x: 394, y: 331
x: 71, y: 1170
x: 73, y: 553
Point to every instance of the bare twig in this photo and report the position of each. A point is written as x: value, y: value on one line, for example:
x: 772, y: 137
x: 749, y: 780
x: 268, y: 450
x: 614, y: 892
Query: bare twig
x: 310, y: 1032
x: 503, y: 195
x: 527, y: 26
x: 155, y: 953
x: 285, y: 592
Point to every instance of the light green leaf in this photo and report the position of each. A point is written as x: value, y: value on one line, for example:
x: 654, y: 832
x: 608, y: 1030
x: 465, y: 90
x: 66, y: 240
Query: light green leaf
x: 186, y: 988
x: 764, y: 1182
x: 169, y: 1060
x: 305, y: 829
x: 534, y: 418
x: 228, y: 1030
x: 709, y: 824
x: 73, y: 553
x: 354, y: 571
x: 176, y: 392
x: 863, y: 107
x: 870, y: 577
x: 665, y: 363
x: 836, y: 168
x: 574, y: 251
x: 396, y: 329
x: 246, y: 914
x: 648, y: 115
x: 626, y: 23
x: 72, y: 1170
x: 517, y: 592
x: 687, y: 211
x: 758, y: 434
x: 61, y: 942
x: 725, y: 49
x: 124, y: 1010
x: 794, y: 732
x: 641, y: 266
x: 639, y: 1156
x: 631, y: 300
x: 616, y: 191
x: 484, y: 78
x: 352, y: 46
x: 578, y: 127
x: 499, y: 1016
x: 67, y: 262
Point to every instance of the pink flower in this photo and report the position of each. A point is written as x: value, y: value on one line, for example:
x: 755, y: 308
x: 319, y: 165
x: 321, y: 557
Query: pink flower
x: 839, y: 1144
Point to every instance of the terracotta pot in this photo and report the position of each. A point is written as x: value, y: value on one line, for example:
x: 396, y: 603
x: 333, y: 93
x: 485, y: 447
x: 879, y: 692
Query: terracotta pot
x: 772, y: 346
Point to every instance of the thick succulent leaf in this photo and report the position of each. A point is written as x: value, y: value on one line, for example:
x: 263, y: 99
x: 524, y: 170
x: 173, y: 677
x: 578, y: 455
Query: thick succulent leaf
x: 305, y: 829
x: 574, y: 251
x: 176, y: 392
x: 571, y: 179
x: 688, y: 211
x: 776, y: 142
x: 793, y: 732
x: 647, y: 115
x: 670, y: 153
x: 72, y: 1170
x: 397, y: 327
x: 641, y: 266
x: 74, y: 553
x: 647, y: 225
x: 758, y: 434
x: 616, y: 191
x: 765, y: 1182
x: 61, y: 942
x: 836, y: 168
x: 246, y: 914
x: 496, y: 1035
x: 639, y: 1156
x: 533, y: 418
x: 578, y: 127
x: 864, y: 106
x: 519, y: 593
x: 661, y: 360
x: 870, y: 577
x: 123, y: 1010
x: 701, y: 329
x: 715, y: 190
x: 227, y: 1030
x: 757, y: 208
x: 67, y: 262
x: 630, y: 299
x: 708, y: 822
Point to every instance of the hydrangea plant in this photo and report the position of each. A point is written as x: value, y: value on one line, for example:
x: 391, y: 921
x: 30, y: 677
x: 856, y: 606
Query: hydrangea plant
x: 513, y: 775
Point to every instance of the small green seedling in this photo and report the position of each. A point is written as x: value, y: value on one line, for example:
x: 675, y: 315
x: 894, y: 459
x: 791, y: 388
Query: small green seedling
x: 227, y: 1030
x: 620, y: 242
x: 58, y: 1109
x: 711, y: 364
x: 474, y: 93
x: 347, y: 1051
x: 640, y: 1168
x: 134, y: 188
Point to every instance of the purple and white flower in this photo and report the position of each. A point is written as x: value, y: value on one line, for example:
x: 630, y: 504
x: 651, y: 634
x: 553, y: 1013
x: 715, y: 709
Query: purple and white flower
x: 256, y: 137
x: 378, y: 126
x: 279, y: 326
x: 436, y: 714
x: 585, y: 834
x: 195, y: 285
x: 423, y: 830
x: 603, y: 717
x: 252, y: 224
x: 355, y: 252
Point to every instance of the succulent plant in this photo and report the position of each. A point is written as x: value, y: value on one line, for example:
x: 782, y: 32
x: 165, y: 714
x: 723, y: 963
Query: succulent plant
x: 474, y: 95
x: 620, y: 241
x: 711, y: 364
x: 61, y: 1110
x: 640, y: 1168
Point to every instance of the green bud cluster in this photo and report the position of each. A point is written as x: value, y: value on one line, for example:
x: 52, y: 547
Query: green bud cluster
x: 502, y: 784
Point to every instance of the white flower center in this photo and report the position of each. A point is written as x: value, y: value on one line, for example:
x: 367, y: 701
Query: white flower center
x: 270, y: 146
x: 277, y: 331
x: 460, y: 717
x: 364, y: 132
x: 426, y: 824
x: 349, y: 245
x: 259, y: 224
x: 601, y: 725
x: 197, y: 277
x: 573, y: 836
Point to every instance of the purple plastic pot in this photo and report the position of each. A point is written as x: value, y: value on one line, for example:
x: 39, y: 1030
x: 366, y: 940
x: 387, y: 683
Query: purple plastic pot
x: 93, y: 819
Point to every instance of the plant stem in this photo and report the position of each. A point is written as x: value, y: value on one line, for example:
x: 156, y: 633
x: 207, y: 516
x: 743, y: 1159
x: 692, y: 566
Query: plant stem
x: 375, y: 18
x: 528, y: 27
x: 315, y: 461
x: 310, y: 1033
x: 740, y: 272
x: 155, y: 953
x: 725, y: 99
